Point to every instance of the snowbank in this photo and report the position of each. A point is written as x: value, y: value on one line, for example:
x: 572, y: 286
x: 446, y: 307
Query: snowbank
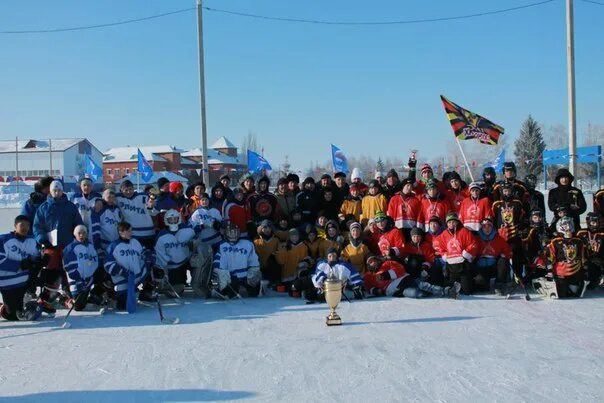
x: 481, y: 348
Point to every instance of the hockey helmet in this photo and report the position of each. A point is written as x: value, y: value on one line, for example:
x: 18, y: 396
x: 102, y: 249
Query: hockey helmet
x: 476, y: 185
x: 531, y: 181
x: 565, y: 226
x: 232, y: 232
x: 593, y: 221
x: 509, y: 166
x: 536, y: 217
x: 373, y: 263
x: 172, y: 220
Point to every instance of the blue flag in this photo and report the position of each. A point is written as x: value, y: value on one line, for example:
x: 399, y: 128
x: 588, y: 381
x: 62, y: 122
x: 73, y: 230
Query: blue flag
x: 339, y: 160
x: 256, y: 163
x: 93, y: 171
x: 497, y: 163
x: 144, y: 168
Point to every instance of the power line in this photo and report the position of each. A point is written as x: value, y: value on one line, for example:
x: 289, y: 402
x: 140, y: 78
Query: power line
x: 283, y: 19
x: 111, y: 24
x: 399, y: 22
x: 593, y: 2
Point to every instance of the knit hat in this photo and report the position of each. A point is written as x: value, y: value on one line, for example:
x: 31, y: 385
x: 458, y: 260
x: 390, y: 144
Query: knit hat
x: 416, y: 231
x: 127, y: 184
x: 431, y: 184
x: 225, y: 177
x: 293, y: 178
x: 407, y: 181
x: 340, y: 175
x: 265, y: 223
x: 435, y: 218
x: 330, y: 251
x: 175, y: 187
x: 264, y: 179
x: 374, y: 184
x: 426, y: 167
x: 392, y: 173
x: 56, y: 185
x: 379, y: 216
x: 476, y: 185
x: 325, y: 176
x: 355, y: 225
x: 293, y: 231
x: 308, y: 179
x: 356, y: 174
x: 282, y: 181
x: 204, y: 196
x: 161, y: 182
x: 452, y: 215
x: 85, y: 179
x: 378, y: 174
x: 454, y: 175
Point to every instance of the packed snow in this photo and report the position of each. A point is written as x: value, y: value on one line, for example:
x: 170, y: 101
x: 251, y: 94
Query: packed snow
x: 480, y: 348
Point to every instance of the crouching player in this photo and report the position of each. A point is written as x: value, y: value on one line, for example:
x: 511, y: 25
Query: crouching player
x: 127, y: 258
x: 81, y: 263
x: 19, y: 266
x: 389, y: 277
x: 493, y: 259
x: 566, y: 260
x: 236, y: 267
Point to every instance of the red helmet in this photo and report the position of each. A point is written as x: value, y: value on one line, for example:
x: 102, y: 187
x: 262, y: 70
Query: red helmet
x: 176, y: 187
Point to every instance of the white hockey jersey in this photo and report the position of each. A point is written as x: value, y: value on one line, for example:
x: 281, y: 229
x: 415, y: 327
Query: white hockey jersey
x: 172, y: 248
x: 80, y: 261
x: 13, y: 249
x: 341, y: 270
x: 206, y: 219
x: 134, y: 211
x: 124, y: 257
x: 109, y: 217
x: 85, y: 205
x: 236, y: 258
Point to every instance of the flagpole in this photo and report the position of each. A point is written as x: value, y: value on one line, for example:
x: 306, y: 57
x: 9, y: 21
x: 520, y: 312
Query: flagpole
x: 465, y: 160
x: 570, y: 69
x: 50, y: 154
x: 202, y: 94
x: 17, y: 161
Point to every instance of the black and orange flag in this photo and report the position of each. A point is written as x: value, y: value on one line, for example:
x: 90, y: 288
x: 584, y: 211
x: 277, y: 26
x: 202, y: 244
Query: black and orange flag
x: 468, y: 125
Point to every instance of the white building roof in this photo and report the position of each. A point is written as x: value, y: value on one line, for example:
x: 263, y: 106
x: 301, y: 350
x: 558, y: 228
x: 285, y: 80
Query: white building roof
x: 214, y: 157
x: 44, y: 145
x: 122, y: 154
x: 223, y: 142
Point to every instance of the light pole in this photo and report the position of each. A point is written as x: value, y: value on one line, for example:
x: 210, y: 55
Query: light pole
x: 202, y: 95
x: 570, y: 69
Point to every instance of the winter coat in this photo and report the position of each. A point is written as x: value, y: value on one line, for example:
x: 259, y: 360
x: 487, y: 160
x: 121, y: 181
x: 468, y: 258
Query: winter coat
x: 438, y: 206
x: 56, y: 214
x: 371, y: 205
x: 472, y: 212
x: 357, y: 256
x: 289, y: 257
x: 30, y: 207
x: 570, y: 196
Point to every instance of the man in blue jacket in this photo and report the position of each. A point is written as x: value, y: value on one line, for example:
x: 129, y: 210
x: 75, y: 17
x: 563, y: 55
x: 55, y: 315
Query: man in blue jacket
x: 39, y: 195
x: 54, y: 223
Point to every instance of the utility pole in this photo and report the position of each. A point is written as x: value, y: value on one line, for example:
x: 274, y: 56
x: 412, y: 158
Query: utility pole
x: 202, y: 95
x: 570, y: 69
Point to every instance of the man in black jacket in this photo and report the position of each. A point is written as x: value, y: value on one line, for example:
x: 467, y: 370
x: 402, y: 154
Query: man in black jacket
x: 565, y: 194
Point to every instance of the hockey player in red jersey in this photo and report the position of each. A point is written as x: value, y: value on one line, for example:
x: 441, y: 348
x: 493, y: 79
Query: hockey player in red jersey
x: 493, y: 258
x: 475, y: 208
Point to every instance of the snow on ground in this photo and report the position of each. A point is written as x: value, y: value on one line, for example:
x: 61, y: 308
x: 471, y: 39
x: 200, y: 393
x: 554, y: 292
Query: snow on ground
x: 481, y: 348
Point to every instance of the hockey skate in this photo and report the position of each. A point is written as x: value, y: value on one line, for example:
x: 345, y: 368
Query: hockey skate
x: 546, y: 287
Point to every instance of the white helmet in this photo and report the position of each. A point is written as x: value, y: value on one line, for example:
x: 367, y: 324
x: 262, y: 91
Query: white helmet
x: 172, y: 220
x: 565, y: 226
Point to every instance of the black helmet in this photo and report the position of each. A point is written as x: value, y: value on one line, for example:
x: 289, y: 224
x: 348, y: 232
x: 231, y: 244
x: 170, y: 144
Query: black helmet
x: 488, y: 170
x: 531, y: 181
x: 593, y: 221
x: 509, y: 166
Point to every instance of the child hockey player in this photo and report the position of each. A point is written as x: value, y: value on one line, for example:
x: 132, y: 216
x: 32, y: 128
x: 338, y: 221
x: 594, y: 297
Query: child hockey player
x: 333, y: 266
x: 475, y: 208
x: 172, y: 252
x: 351, y: 206
x: 81, y: 263
x: 566, y: 257
x: 356, y: 252
x: 333, y: 239
x: 126, y: 257
x: 593, y: 237
x: 19, y: 266
x: 290, y: 256
x: 109, y: 217
x: 266, y: 245
x: 434, y: 204
x: 389, y: 277
x: 236, y: 266
x: 535, y: 244
x: 373, y: 202
x: 313, y: 242
x: 492, y: 259
x: 209, y: 220
x: 138, y: 210
x: 390, y: 242
x: 419, y: 259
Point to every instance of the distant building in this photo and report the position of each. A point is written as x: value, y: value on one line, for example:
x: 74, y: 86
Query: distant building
x: 35, y: 158
x: 223, y: 158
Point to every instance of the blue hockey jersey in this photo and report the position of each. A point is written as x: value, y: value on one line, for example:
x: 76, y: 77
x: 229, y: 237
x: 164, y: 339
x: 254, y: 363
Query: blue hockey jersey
x: 14, y: 249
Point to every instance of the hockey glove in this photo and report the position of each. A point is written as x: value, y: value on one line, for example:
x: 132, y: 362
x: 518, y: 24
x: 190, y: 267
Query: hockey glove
x: 223, y: 277
x: 391, y: 252
x: 216, y: 225
x: 158, y: 273
x: 27, y: 264
x: 359, y: 292
x: 148, y: 258
x: 253, y: 276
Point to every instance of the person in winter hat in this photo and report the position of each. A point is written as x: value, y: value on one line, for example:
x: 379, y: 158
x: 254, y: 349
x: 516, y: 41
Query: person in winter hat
x: 566, y: 194
x: 393, y: 184
x: 427, y: 175
x: 405, y: 209
x: 356, y: 179
x: 593, y: 237
x: 474, y: 208
x: 218, y: 196
x: 237, y: 211
x: 433, y: 203
x: 177, y: 190
x: 519, y: 190
x: 457, y: 191
x: 351, y: 206
x: 390, y: 242
x: 492, y: 259
x: 341, y: 190
x: 263, y: 203
x: 293, y: 184
x: 489, y: 176
x: 373, y: 202
x: 356, y: 252
x: 379, y: 176
x: 536, y: 198
x: 307, y: 201
x: 39, y: 196
x: 291, y: 256
x: 333, y: 238
x: 285, y: 198
x: 266, y: 246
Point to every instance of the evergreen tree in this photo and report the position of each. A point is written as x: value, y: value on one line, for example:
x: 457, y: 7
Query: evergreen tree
x: 529, y: 147
x: 379, y: 166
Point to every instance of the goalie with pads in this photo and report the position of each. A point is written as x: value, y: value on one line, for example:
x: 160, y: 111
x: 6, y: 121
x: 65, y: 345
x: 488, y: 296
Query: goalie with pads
x: 236, y: 267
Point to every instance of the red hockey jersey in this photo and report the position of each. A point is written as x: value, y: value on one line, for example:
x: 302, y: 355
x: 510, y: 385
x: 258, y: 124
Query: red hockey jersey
x: 392, y: 239
x: 456, y: 246
x: 471, y: 212
x: 394, y: 269
x: 405, y: 210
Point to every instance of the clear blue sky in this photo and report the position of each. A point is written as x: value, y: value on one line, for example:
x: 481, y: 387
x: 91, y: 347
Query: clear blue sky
x: 371, y: 90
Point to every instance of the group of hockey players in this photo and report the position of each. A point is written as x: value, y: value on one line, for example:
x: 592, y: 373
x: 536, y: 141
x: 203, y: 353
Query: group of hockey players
x: 414, y: 237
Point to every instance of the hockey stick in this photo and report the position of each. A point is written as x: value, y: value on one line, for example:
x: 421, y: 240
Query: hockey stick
x: 66, y: 324
x: 162, y: 318
x: 177, y: 297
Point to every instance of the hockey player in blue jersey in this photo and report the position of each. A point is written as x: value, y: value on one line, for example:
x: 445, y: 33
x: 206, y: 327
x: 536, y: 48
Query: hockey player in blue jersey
x: 236, y: 267
x: 138, y: 209
x: 19, y: 264
x: 109, y: 218
x: 172, y: 253
x: 89, y: 204
x: 81, y: 263
x: 127, y: 257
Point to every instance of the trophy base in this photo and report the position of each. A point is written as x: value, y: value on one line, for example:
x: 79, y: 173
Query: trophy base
x: 333, y: 320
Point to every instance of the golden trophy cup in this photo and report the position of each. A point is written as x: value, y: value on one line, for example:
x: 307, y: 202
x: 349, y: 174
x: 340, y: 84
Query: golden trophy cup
x: 333, y: 296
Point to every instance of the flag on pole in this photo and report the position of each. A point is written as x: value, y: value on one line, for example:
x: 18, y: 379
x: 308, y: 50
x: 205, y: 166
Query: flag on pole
x: 497, y: 163
x: 469, y: 125
x: 93, y: 171
x: 339, y: 160
x: 144, y: 168
x: 256, y: 163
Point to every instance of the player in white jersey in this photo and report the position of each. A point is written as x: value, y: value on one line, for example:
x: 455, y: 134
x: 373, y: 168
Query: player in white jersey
x: 138, y: 210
